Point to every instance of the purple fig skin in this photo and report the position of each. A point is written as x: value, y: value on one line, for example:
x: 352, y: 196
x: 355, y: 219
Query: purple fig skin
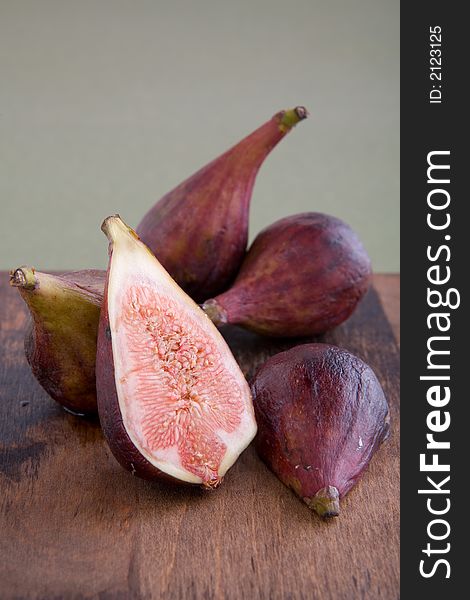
x: 199, y: 230
x: 60, y: 342
x: 321, y: 415
x: 302, y: 276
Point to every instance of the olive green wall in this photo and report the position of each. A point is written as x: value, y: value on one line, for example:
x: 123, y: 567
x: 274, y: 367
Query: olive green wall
x: 105, y: 105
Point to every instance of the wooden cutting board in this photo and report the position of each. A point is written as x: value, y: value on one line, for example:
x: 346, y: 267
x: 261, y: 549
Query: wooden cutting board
x: 74, y: 525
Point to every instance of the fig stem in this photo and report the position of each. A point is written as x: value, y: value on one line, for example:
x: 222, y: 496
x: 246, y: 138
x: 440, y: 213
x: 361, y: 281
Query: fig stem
x: 113, y: 225
x: 291, y: 117
x: 325, y: 502
x: 23, y: 277
x: 215, y: 312
x: 115, y: 229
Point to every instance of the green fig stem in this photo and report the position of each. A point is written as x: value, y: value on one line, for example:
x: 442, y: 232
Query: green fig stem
x: 325, y: 502
x: 113, y: 225
x: 289, y: 118
x: 23, y: 277
x: 114, y: 228
x: 215, y: 312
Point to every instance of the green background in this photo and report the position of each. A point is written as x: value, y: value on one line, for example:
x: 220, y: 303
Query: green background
x: 106, y: 105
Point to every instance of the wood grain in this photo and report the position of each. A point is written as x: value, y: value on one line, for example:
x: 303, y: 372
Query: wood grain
x: 74, y: 525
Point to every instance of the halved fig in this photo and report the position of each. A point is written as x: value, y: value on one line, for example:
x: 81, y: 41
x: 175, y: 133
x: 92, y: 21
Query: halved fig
x: 172, y: 400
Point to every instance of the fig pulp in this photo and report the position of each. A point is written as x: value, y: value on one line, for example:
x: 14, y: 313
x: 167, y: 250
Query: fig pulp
x: 321, y: 415
x: 199, y: 230
x: 171, y: 398
x: 302, y: 276
x: 60, y: 342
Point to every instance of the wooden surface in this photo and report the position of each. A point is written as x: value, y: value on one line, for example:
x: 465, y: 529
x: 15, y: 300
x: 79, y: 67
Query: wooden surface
x: 74, y: 525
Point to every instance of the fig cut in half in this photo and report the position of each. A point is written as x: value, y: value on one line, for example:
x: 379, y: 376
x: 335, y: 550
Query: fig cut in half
x: 172, y: 400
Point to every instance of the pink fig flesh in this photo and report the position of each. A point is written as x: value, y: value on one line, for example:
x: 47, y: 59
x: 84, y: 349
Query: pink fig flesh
x: 172, y: 401
x: 321, y: 415
x: 60, y: 343
x: 199, y: 230
x: 303, y: 275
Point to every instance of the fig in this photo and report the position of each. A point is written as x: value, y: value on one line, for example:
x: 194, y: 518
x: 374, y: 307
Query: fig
x: 321, y: 415
x: 303, y: 275
x: 172, y: 401
x: 60, y: 342
x: 199, y: 230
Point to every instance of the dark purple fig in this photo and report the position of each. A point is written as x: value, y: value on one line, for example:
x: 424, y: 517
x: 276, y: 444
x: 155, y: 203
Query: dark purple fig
x: 303, y: 275
x: 321, y: 415
x: 60, y: 342
x: 199, y: 230
x: 171, y: 398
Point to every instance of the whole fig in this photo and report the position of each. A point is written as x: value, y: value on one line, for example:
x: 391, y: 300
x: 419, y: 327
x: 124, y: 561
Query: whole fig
x: 303, y: 275
x: 60, y: 342
x: 199, y: 230
x: 321, y: 416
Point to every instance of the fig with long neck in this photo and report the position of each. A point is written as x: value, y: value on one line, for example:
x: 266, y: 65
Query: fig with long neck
x: 60, y: 342
x: 303, y: 275
x: 172, y: 400
x: 321, y: 416
x: 199, y: 230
